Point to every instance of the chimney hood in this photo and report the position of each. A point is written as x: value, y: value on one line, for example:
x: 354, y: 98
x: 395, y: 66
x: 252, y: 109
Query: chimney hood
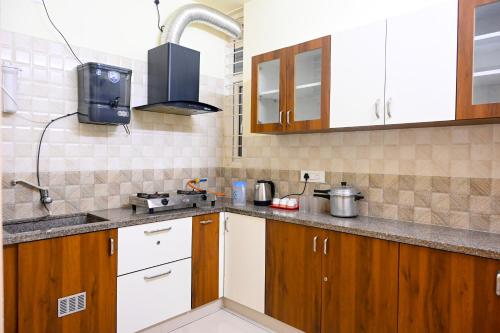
x: 174, y: 70
x: 174, y: 81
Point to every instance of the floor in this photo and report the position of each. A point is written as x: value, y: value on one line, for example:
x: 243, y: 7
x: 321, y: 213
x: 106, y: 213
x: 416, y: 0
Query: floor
x: 221, y: 322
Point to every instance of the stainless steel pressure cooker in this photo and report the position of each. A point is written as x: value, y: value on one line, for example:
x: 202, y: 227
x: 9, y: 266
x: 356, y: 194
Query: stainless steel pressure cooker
x: 343, y: 200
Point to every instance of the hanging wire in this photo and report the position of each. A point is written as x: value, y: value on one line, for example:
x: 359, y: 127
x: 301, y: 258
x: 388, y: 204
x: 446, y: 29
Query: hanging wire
x: 60, y: 33
x: 160, y: 27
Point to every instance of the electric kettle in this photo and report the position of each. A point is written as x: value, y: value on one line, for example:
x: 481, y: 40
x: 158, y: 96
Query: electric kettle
x: 263, y: 193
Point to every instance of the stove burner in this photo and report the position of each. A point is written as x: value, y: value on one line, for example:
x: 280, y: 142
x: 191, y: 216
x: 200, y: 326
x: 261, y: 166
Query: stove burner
x: 182, y: 192
x: 152, y: 195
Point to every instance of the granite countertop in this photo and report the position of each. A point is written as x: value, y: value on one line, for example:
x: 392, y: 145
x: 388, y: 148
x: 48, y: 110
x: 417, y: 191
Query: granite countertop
x: 477, y: 243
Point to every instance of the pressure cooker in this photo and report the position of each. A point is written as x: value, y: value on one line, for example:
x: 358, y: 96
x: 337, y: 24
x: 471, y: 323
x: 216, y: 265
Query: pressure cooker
x: 343, y: 200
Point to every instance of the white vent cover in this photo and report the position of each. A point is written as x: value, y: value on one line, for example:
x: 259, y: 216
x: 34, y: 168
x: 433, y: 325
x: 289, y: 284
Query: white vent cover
x: 71, y: 304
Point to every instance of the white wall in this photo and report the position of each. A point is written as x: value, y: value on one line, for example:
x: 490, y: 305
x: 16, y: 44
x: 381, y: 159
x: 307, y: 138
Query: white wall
x: 273, y: 24
x: 122, y: 27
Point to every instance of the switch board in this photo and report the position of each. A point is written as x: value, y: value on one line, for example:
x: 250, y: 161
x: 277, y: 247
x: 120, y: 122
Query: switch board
x: 314, y: 176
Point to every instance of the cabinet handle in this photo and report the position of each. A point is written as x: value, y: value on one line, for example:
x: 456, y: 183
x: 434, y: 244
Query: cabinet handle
x: 498, y: 283
x: 111, y: 246
x: 377, y: 105
x: 315, y: 241
x: 225, y: 224
x: 288, y: 117
x: 389, y: 106
x: 206, y: 222
x: 152, y: 277
x: 281, y: 118
x: 152, y: 232
x: 325, y: 246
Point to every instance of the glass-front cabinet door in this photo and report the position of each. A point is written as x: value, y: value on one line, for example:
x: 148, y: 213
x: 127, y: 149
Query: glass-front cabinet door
x: 478, y: 59
x: 308, y: 96
x: 268, y: 91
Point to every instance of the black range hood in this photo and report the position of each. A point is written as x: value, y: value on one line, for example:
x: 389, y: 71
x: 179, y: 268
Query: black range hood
x: 174, y: 81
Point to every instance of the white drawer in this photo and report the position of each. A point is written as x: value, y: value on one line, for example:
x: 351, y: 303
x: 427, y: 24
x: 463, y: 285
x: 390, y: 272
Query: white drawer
x: 153, y: 244
x: 145, y: 300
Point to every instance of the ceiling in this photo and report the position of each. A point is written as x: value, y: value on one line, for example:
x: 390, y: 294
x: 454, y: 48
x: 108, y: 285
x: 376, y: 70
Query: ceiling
x: 224, y: 5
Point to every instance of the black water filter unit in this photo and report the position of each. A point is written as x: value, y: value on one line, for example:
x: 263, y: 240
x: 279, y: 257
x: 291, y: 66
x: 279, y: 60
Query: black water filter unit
x: 103, y: 94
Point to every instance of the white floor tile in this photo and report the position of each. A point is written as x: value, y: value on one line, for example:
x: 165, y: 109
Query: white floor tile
x: 221, y: 322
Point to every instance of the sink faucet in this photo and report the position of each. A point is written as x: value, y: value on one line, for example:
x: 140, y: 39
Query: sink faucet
x: 44, y: 191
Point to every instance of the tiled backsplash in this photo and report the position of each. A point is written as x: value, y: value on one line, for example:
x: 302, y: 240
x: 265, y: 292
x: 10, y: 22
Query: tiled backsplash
x: 48, y: 88
x: 444, y: 175
x: 466, y: 203
x: 75, y: 191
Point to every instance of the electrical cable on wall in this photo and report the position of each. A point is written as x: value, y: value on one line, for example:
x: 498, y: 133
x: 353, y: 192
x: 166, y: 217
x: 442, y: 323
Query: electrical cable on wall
x: 60, y: 33
x: 160, y: 27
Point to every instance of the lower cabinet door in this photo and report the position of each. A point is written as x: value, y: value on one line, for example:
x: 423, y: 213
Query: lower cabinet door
x: 67, y: 266
x: 360, y: 284
x: 293, y: 275
x: 151, y: 296
x: 244, y: 260
x: 205, y: 270
x: 447, y: 292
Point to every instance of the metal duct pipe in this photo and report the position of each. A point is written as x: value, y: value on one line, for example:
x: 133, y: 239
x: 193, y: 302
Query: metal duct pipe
x: 175, y: 25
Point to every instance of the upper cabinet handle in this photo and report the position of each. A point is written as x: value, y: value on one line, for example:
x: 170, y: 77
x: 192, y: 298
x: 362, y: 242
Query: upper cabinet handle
x: 281, y: 118
x: 498, y: 283
x: 377, y: 105
x: 152, y: 232
x: 389, y: 108
x: 206, y: 222
x: 288, y: 117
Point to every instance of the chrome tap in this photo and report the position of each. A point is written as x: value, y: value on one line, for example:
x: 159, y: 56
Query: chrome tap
x: 44, y: 191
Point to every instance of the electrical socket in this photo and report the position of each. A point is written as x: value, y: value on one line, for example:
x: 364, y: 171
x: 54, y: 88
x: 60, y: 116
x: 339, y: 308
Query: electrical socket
x: 314, y: 176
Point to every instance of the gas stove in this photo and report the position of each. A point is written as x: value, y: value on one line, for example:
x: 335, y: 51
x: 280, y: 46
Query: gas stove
x: 156, y: 202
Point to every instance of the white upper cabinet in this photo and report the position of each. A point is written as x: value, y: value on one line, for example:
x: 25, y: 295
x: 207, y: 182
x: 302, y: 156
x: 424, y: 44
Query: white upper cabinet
x: 421, y: 65
x: 358, y: 76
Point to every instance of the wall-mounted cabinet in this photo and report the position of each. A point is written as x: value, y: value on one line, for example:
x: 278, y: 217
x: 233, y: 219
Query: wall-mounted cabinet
x: 478, y: 59
x: 291, y: 88
x: 396, y: 71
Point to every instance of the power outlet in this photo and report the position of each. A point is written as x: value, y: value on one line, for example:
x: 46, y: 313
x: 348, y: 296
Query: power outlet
x: 314, y: 176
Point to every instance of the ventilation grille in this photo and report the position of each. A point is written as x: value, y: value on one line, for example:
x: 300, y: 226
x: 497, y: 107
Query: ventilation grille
x: 71, y: 304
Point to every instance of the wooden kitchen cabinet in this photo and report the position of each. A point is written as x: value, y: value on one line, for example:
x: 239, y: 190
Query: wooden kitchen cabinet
x: 478, y: 82
x: 291, y: 88
x: 65, y: 266
x: 324, y: 281
x: 10, y: 288
x: 444, y: 292
x: 360, y: 284
x: 293, y: 274
x: 205, y: 260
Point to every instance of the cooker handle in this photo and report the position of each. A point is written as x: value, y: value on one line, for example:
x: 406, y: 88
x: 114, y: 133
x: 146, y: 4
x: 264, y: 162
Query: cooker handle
x: 358, y: 197
x: 322, y: 191
x: 320, y: 195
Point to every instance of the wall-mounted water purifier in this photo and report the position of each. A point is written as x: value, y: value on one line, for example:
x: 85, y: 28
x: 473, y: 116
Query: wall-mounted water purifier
x: 103, y: 94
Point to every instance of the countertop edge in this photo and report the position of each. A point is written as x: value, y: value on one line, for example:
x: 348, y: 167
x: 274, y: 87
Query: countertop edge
x: 322, y: 221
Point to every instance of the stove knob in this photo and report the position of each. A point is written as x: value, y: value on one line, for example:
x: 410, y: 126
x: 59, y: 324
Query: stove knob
x: 203, y: 197
x: 164, y: 202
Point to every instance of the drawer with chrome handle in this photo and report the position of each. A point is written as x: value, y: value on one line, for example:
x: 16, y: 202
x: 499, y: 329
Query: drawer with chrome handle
x: 148, y: 245
x: 151, y: 296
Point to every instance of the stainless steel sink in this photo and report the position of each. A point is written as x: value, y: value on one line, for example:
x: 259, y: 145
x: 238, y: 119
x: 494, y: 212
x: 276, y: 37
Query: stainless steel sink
x: 48, y: 223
